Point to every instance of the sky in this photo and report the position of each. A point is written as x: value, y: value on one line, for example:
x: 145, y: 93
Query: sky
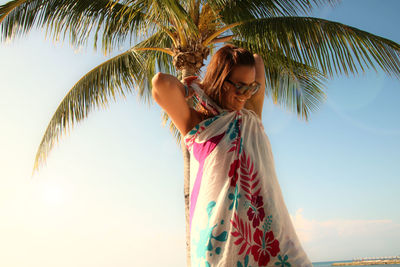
x: 111, y: 192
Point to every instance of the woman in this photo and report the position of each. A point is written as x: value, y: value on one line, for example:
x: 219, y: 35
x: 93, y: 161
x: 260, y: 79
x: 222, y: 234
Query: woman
x: 237, y: 212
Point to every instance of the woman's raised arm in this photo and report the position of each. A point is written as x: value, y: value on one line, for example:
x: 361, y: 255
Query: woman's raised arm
x: 256, y: 102
x: 169, y: 93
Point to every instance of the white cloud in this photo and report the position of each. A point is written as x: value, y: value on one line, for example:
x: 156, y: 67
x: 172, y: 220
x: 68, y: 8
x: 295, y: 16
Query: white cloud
x: 341, y: 239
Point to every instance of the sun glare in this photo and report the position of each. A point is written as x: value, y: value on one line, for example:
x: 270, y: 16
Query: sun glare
x: 52, y: 194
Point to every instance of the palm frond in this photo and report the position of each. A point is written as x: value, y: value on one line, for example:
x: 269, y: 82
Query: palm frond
x: 170, y: 13
x: 172, y: 128
x: 331, y: 46
x: 154, y: 58
x: 208, y: 21
x: 79, y: 18
x: 92, y: 90
x: 297, y: 90
x: 193, y: 7
x: 232, y: 11
x: 134, y: 68
x: 292, y: 84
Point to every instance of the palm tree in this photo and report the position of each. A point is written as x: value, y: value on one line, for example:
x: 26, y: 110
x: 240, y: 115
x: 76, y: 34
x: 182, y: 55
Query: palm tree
x: 299, y: 52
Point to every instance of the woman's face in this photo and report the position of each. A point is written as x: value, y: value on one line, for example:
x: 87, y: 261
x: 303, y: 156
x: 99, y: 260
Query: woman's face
x: 243, y: 75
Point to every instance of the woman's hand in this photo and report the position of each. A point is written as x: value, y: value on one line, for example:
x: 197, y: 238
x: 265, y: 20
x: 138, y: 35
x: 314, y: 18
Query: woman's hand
x: 188, y: 81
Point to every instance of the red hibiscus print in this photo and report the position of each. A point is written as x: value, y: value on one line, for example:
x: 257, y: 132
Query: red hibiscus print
x: 265, y: 247
x: 256, y: 211
x: 233, y: 172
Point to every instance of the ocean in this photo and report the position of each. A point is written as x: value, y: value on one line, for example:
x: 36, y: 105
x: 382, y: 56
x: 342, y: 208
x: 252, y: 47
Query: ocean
x: 328, y: 263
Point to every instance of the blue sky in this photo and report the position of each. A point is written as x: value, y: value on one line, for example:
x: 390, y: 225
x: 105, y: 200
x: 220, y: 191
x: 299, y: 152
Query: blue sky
x: 113, y: 186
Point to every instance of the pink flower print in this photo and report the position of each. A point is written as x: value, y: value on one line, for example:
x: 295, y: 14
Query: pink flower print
x: 265, y: 247
x: 256, y: 211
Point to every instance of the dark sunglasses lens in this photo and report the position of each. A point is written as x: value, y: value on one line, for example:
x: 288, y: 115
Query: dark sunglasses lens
x: 243, y: 89
x: 256, y: 87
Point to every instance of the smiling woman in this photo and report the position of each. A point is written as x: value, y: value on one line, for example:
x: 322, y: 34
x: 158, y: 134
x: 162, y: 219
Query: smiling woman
x: 237, y: 65
x: 241, y: 75
x: 237, y: 213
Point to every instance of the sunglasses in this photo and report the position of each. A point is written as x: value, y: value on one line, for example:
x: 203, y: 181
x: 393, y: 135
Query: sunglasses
x: 243, y: 89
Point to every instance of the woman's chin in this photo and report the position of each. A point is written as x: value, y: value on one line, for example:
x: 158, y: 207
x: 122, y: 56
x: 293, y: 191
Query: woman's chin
x: 239, y: 106
x: 235, y: 108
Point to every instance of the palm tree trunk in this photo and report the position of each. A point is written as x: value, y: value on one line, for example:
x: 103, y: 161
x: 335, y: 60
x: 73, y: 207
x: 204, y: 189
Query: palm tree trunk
x: 186, y: 188
x: 188, y: 70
